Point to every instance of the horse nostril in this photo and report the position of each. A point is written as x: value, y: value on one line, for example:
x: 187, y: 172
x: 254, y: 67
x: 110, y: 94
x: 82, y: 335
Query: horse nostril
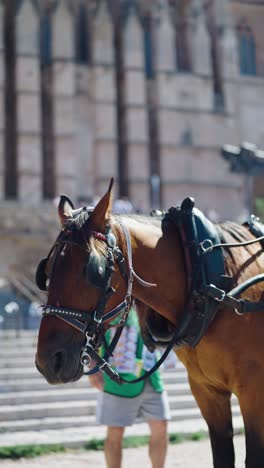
x: 58, y: 360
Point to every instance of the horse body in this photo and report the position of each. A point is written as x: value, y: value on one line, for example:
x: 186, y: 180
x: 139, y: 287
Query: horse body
x: 229, y: 358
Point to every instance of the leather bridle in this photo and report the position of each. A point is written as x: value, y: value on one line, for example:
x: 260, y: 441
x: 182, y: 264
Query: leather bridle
x: 93, y: 324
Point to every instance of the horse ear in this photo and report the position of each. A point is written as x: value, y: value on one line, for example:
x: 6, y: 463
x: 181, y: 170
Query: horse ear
x: 102, y: 210
x: 65, y: 208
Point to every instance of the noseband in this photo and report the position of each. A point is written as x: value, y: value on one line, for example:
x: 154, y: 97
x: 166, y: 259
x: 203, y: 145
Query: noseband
x: 99, y: 271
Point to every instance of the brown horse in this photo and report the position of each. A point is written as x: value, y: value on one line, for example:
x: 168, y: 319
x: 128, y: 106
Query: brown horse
x: 229, y: 358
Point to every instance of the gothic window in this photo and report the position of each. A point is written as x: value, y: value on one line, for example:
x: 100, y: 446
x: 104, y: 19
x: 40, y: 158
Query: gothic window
x: 183, y: 58
x: 180, y: 10
x: 148, y: 49
x: 82, y: 37
x: 247, y: 51
x: 10, y: 102
x: 45, y: 41
x: 46, y: 96
x: 149, y: 37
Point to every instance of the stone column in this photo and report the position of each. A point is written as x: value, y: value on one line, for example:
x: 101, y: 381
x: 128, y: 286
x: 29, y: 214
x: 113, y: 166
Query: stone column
x: 227, y: 38
x: 166, y: 41
x: 137, y: 131
x: 201, y: 53
x: 105, y: 98
x: 1, y: 103
x: 85, y: 114
x: 28, y: 104
x: 64, y: 98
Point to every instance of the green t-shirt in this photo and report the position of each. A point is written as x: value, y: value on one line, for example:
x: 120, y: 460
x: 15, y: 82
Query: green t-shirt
x: 130, y: 359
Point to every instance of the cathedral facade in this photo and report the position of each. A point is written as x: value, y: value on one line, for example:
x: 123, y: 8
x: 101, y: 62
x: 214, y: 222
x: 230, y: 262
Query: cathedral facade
x: 144, y: 91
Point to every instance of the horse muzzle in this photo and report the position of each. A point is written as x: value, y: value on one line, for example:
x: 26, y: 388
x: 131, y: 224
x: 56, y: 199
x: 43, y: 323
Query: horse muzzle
x: 60, y: 367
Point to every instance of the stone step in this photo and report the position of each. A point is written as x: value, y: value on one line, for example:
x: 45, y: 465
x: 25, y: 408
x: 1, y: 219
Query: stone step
x: 78, y: 436
x: 50, y: 423
x: 45, y: 396
x: 15, y: 362
x: 9, y: 355
x: 7, y: 374
x: 37, y: 382
x: 42, y: 410
x: 69, y: 407
x: 20, y: 335
x: 8, y: 344
x: 25, y: 342
x: 61, y: 393
x: 47, y: 423
x: 15, y: 358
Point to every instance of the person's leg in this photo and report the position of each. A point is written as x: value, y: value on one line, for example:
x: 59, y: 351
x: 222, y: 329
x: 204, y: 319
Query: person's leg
x: 155, y: 409
x: 116, y: 413
x: 113, y: 446
x: 158, y: 442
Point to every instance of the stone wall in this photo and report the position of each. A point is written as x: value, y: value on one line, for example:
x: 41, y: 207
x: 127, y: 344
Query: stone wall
x: 192, y: 128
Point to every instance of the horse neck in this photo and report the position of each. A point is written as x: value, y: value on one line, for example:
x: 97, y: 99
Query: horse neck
x: 158, y: 259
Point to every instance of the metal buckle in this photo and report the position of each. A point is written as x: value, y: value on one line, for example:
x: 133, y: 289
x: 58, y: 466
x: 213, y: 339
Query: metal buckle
x: 103, y: 365
x: 85, y: 359
x: 222, y: 295
x: 96, y: 319
x: 111, y: 240
x: 206, y: 246
x: 213, y: 292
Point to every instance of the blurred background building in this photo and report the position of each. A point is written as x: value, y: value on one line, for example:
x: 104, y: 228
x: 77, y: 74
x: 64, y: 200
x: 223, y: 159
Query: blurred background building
x: 146, y: 91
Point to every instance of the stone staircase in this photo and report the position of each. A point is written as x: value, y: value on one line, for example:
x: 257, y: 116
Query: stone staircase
x: 31, y: 411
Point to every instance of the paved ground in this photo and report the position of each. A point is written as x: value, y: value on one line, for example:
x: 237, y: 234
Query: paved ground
x: 185, y: 455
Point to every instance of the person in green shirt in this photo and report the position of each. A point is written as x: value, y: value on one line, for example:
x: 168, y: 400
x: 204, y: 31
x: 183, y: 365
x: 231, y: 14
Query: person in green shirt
x: 119, y: 405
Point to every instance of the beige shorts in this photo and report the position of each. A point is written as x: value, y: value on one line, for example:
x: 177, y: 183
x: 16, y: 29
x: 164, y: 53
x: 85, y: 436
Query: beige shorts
x: 119, y: 411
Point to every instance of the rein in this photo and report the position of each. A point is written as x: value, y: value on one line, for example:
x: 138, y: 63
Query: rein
x: 207, y: 245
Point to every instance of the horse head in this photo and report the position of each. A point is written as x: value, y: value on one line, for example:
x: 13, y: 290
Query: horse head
x: 91, y: 275
x: 74, y: 274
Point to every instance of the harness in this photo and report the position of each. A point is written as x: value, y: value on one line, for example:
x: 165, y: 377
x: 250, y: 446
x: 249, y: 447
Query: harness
x: 207, y: 284
x: 197, y: 234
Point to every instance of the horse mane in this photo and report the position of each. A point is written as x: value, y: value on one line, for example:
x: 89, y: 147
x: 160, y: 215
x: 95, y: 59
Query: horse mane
x: 79, y: 220
x: 78, y: 225
x: 229, y: 231
x: 144, y: 219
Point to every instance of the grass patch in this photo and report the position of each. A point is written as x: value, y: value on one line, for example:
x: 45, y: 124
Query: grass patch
x: 176, y: 438
x: 194, y: 436
x: 94, y: 444
x: 140, y: 441
x: 29, y: 451
x: 200, y: 435
x: 135, y: 441
x: 128, y: 442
